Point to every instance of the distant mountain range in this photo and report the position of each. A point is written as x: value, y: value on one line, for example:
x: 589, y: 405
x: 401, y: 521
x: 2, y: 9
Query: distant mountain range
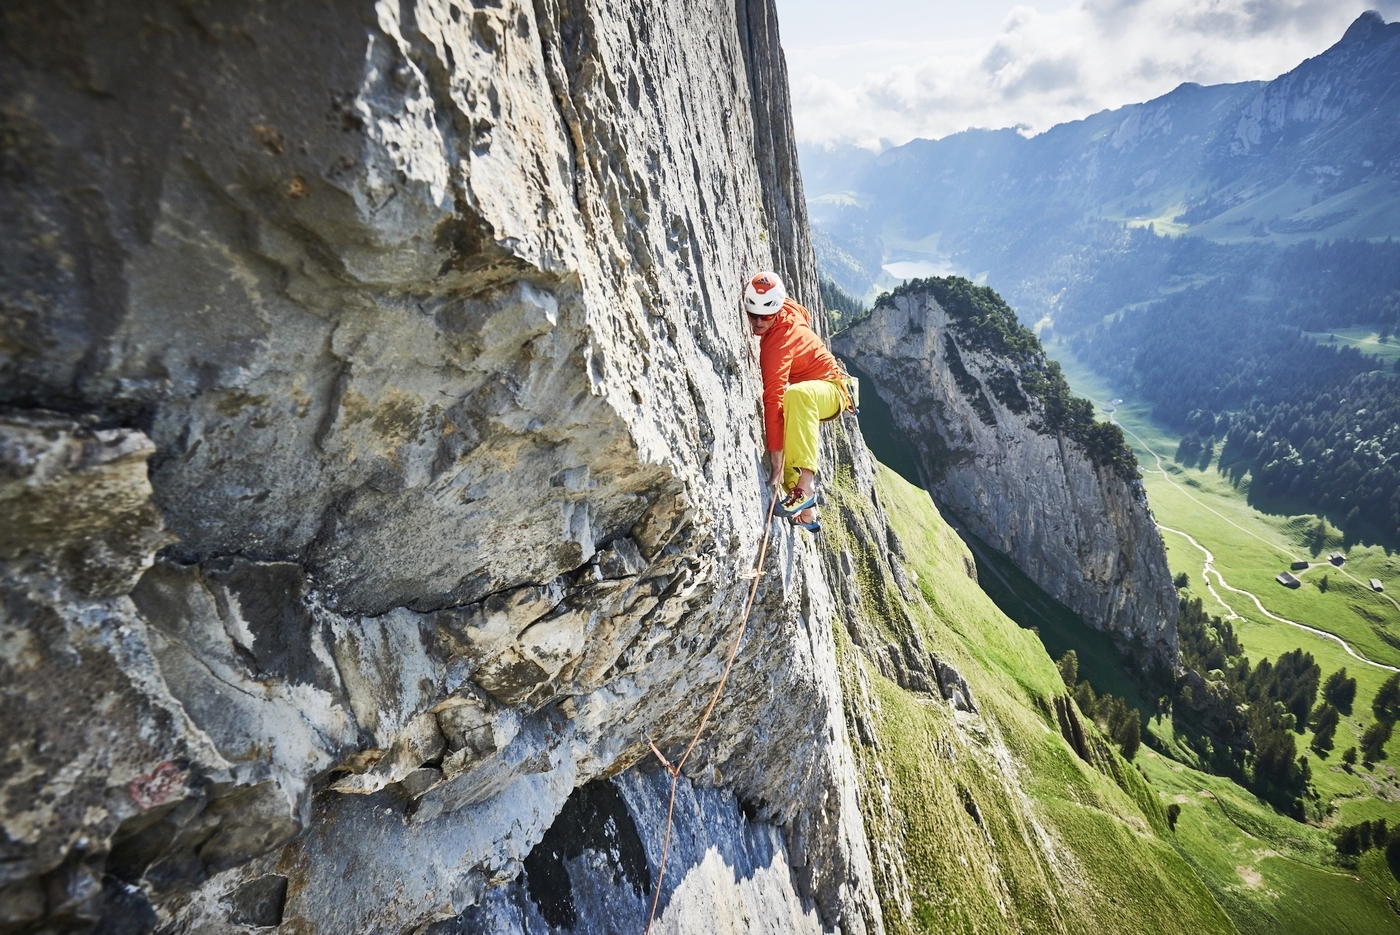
x: 1315, y: 153
x: 1201, y: 250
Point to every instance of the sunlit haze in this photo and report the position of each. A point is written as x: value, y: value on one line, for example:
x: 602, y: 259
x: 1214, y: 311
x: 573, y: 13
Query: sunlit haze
x: 886, y: 71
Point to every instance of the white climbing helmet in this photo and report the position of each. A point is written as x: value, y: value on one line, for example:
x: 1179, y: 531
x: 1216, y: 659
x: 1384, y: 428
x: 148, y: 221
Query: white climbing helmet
x: 764, y: 295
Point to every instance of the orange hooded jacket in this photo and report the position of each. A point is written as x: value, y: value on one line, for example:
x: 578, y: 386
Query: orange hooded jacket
x: 789, y: 352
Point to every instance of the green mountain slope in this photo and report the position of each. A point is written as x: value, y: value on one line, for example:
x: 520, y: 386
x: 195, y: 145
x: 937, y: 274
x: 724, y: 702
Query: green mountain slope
x: 1249, y: 548
x: 991, y: 822
x: 1002, y: 826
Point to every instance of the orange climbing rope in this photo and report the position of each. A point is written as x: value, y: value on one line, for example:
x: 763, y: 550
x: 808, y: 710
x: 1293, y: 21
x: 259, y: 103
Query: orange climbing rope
x: 675, y: 771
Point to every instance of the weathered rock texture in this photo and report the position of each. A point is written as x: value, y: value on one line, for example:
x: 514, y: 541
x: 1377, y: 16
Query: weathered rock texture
x: 380, y: 458
x: 1082, y: 532
x: 595, y: 868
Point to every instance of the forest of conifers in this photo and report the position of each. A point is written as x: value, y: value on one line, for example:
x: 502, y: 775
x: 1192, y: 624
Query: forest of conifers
x: 1221, y: 353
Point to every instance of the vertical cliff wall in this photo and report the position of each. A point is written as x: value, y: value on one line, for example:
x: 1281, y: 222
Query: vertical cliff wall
x: 380, y: 452
x: 380, y: 456
x: 992, y: 456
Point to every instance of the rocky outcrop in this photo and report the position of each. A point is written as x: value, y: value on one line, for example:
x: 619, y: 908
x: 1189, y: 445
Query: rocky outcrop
x: 1080, y: 529
x: 595, y: 869
x: 381, y: 455
x: 1353, y: 77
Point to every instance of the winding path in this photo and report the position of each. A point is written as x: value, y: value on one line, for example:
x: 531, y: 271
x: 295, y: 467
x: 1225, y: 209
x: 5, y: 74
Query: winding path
x: 1210, y: 568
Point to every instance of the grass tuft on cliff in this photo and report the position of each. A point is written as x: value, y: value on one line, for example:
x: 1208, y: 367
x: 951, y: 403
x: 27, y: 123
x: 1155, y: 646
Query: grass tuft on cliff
x: 992, y: 822
x: 1063, y: 845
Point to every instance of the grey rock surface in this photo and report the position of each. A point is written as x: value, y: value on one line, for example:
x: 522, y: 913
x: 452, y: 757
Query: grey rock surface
x: 1346, y: 81
x: 384, y: 453
x: 1082, y: 532
x: 595, y: 869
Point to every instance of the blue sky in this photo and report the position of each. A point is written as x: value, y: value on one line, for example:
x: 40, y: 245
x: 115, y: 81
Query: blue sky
x: 882, y: 72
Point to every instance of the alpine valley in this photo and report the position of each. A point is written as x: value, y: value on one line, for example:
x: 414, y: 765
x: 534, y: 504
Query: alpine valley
x: 1217, y: 271
x: 382, y: 484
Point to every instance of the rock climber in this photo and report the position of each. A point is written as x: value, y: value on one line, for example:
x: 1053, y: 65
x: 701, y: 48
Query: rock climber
x: 803, y: 385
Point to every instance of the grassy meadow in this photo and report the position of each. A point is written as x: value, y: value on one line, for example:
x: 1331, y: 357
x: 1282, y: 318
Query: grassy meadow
x: 1249, y: 548
x: 1364, y: 338
x: 1000, y: 826
x: 1270, y: 873
x: 1007, y: 830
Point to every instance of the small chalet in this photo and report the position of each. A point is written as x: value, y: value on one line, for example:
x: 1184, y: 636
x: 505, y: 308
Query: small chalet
x: 1337, y: 558
x: 1298, y: 566
x: 1376, y: 585
x: 1287, y: 580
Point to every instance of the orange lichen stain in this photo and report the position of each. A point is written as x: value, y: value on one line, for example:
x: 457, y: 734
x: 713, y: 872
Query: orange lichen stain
x: 396, y: 416
x: 395, y: 419
x: 236, y: 401
x: 355, y: 408
x: 301, y: 399
x: 270, y: 139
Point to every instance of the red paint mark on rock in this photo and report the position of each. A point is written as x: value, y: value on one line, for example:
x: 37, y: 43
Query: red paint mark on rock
x: 157, y: 787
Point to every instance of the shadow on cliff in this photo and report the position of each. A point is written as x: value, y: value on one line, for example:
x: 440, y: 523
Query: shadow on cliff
x: 597, y: 864
x: 881, y: 435
x: 1105, y: 664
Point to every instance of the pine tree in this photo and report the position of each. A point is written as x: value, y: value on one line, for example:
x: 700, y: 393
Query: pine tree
x: 1069, y: 668
x: 1129, y: 736
x: 1324, y: 723
x: 1373, y: 742
x: 1340, y: 691
x: 1386, y: 704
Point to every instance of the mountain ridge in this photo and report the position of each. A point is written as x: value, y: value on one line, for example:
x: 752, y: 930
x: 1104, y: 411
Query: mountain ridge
x: 1313, y: 152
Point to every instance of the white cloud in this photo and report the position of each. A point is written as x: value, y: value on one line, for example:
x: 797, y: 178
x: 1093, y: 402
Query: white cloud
x: 1044, y: 68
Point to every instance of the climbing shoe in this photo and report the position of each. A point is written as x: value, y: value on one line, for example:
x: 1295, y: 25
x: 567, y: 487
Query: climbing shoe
x: 813, y: 526
x: 796, y: 502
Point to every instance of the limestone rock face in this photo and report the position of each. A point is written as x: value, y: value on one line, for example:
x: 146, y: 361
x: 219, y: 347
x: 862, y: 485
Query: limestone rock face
x: 595, y: 868
x: 381, y: 456
x: 1346, y: 81
x: 1080, y: 531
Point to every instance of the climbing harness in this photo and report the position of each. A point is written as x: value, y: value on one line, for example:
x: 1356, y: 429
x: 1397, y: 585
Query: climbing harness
x: 675, y: 770
x: 850, y: 391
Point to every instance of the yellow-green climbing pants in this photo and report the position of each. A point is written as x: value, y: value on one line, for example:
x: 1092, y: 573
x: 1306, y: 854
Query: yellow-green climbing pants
x: 805, y: 405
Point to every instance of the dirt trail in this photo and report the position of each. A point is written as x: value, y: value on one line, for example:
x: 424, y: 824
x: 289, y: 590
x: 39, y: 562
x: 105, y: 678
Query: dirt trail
x: 1210, y: 569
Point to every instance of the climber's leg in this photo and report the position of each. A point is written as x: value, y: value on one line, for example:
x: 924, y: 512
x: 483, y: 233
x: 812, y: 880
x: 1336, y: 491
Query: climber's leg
x: 805, y: 405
